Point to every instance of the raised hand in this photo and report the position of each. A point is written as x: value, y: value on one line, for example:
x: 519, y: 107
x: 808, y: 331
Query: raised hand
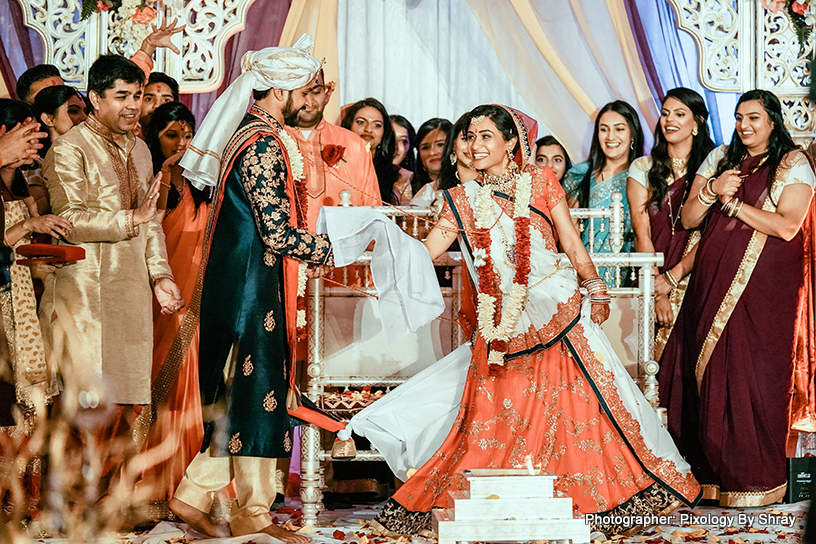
x: 162, y: 37
x: 147, y: 209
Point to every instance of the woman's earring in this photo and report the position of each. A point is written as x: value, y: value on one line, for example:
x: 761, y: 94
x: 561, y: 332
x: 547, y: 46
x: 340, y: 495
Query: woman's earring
x: 509, y: 154
x: 632, y: 144
x: 694, y: 131
x: 453, y: 158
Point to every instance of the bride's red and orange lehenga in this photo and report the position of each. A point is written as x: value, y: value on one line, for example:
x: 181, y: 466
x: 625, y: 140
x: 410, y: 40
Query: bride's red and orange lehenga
x: 562, y: 398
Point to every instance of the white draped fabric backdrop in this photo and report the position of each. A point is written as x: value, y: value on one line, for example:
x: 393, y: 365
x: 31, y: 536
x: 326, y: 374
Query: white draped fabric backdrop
x: 440, y: 58
x: 420, y: 58
x: 557, y: 60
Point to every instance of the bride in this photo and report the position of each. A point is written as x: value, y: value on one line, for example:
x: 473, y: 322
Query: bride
x: 542, y: 382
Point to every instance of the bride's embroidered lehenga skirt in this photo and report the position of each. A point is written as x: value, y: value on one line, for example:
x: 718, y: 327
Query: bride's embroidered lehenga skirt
x: 560, y: 407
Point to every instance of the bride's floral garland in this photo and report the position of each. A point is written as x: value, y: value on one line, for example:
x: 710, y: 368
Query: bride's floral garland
x: 496, y: 326
x: 301, y: 204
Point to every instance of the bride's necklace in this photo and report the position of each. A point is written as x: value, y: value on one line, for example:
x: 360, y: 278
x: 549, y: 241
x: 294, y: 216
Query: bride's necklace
x: 498, y: 334
x: 503, y: 183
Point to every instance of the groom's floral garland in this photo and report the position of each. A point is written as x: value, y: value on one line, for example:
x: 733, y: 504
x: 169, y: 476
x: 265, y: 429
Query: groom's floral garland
x: 496, y: 326
x: 302, y: 201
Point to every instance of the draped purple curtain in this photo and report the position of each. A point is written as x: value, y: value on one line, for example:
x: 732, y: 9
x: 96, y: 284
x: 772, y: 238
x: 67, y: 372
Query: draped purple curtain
x: 20, y: 47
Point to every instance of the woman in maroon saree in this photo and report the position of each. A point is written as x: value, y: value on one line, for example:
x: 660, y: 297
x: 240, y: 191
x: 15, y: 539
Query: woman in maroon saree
x: 726, y: 377
x: 657, y: 188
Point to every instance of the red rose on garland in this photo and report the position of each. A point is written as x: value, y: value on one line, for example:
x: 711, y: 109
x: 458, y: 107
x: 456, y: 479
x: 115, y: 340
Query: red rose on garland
x: 798, y: 8
x: 333, y: 154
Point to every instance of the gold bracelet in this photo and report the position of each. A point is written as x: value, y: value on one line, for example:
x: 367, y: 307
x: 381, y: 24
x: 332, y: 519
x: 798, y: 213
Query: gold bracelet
x: 727, y: 206
x: 669, y: 277
x: 704, y: 200
x: 736, y: 208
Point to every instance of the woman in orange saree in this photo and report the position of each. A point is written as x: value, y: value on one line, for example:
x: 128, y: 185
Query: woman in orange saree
x: 175, y: 436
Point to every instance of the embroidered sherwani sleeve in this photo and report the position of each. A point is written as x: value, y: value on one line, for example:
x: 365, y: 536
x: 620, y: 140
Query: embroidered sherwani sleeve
x: 263, y: 175
x: 67, y: 177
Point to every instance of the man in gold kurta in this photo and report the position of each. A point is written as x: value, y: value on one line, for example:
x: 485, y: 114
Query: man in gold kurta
x: 97, y: 313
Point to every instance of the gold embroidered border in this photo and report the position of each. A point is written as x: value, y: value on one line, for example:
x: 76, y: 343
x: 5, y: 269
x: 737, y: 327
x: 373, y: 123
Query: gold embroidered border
x: 676, y: 297
x: 125, y: 170
x: 753, y: 498
x: 741, y: 278
x: 744, y: 499
x: 710, y: 492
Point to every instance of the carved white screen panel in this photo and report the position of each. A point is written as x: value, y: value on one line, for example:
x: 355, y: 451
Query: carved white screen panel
x: 744, y: 46
x: 721, y: 34
x: 72, y: 45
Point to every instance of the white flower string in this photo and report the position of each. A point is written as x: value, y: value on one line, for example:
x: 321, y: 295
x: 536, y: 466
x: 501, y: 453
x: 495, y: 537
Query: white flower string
x: 296, y: 164
x: 295, y: 158
x: 486, y: 307
x: 301, y: 291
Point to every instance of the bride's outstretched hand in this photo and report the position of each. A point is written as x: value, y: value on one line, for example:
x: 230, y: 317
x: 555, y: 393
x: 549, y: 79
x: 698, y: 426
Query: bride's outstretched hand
x: 599, y: 313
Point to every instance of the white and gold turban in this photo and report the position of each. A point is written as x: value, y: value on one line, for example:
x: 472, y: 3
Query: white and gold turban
x: 286, y: 68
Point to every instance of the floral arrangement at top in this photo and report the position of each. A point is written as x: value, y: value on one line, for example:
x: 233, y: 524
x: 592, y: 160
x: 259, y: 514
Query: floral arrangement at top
x: 802, y: 14
x: 132, y: 23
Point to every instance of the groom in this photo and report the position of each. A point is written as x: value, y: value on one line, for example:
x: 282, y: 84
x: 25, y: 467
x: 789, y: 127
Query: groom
x: 249, y: 320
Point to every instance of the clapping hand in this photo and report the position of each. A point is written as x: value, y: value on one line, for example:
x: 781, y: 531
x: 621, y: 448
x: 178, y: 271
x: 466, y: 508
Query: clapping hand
x: 19, y: 145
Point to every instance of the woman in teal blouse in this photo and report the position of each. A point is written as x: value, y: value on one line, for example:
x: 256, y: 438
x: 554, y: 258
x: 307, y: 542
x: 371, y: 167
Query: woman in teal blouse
x: 616, y: 141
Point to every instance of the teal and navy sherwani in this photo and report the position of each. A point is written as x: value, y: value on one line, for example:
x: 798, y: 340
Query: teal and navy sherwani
x: 242, y: 302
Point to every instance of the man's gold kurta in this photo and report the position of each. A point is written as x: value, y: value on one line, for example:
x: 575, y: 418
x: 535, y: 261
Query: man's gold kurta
x: 97, y: 313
